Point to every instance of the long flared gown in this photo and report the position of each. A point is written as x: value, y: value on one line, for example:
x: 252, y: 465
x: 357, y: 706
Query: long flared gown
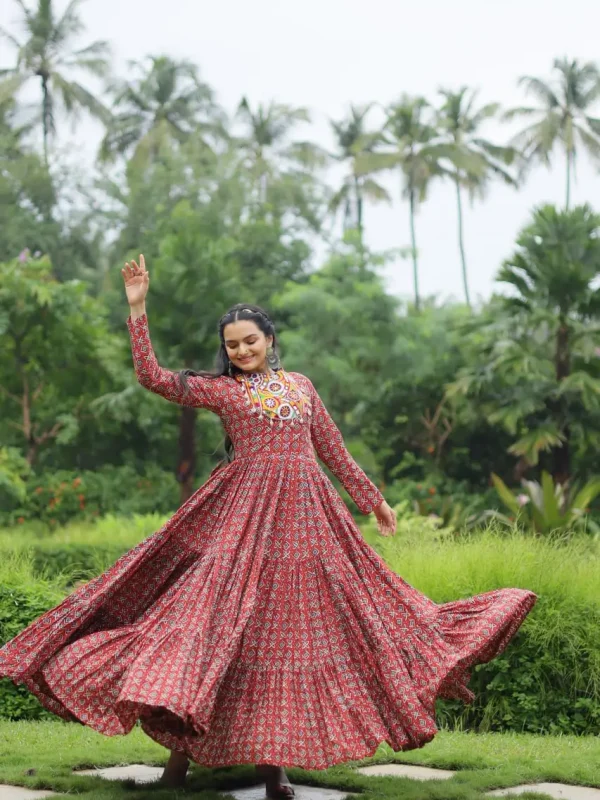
x: 257, y: 625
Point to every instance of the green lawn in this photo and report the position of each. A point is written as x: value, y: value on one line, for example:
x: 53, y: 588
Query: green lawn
x: 485, y: 761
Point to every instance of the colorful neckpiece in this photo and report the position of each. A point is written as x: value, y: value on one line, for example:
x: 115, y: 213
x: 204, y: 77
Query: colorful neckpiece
x: 275, y: 395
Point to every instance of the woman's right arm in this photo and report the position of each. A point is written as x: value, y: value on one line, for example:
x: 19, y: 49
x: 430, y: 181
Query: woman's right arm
x: 203, y: 392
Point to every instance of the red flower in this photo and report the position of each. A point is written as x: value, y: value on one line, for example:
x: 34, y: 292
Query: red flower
x: 21, y: 520
x: 431, y: 490
x: 76, y: 482
x: 39, y: 490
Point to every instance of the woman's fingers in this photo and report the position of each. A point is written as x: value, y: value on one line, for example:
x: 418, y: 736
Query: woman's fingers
x: 132, y: 269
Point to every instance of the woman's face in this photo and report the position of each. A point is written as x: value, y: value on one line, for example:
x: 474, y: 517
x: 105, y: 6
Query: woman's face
x: 247, y: 345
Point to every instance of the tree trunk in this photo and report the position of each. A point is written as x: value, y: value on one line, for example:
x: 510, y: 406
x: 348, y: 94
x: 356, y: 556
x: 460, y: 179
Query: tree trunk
x: 461, y: 244
x: 359, y: 219
x: 413, y: 240
x: 561, y: 455
x: 359, y: 207
x: 569, y: 166
x: 187, y: 452
x: 46, y: 112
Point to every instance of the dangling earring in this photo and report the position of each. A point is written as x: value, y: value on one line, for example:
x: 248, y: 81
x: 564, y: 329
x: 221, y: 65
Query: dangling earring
x: 229, y: 369
x: 272, y: 358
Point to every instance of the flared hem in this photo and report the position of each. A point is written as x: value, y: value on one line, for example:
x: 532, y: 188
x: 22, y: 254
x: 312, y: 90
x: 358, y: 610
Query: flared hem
x: 175, y: 729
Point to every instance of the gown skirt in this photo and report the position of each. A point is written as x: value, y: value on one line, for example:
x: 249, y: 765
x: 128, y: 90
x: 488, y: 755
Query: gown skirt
x: 257, y: 625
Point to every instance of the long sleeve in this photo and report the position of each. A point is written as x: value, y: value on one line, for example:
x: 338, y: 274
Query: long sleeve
x: 329, y: 445
x: 203, y: 392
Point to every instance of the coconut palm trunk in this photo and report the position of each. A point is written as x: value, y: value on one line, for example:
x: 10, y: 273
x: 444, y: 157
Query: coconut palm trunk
x: 569, y: 166
x: 461, y: 242
x: 46, y: 114
x: 413, y: 242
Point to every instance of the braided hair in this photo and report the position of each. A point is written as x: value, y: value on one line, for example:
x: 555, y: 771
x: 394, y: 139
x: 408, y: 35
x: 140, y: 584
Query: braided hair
x: 223, y: 364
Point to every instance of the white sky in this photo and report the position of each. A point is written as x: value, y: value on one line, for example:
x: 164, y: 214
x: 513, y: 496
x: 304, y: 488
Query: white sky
x: 325, y: 54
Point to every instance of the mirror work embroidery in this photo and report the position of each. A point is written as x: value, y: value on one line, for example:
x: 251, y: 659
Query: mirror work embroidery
x: 275, y: 395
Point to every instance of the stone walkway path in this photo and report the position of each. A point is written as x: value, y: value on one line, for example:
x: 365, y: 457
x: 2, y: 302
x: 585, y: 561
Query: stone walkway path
x: 141, y: 773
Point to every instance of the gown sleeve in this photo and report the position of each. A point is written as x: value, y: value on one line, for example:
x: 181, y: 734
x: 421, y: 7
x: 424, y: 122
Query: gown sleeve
x: 329, y: 445
x: 203, y: 392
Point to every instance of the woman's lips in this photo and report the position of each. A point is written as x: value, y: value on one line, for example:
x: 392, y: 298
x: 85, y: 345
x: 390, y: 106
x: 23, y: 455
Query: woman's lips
x: 244, y: 360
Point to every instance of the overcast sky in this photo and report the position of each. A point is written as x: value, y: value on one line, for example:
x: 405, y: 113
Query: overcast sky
x: 325, y: 54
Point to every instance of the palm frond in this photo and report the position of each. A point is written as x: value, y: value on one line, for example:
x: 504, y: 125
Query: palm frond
x: 10, y: 85
x: 541, y: 90
x: 374, y: 191
x: 520, y: 111
x: 4, y: 34
x: 366, y: 163
x: 69, y: 25
x: 29, y: 16
x: 76, y: 97
x: 590, y: 141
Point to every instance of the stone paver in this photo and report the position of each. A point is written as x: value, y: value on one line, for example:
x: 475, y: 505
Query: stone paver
x: 560, y: 791
x: 140, y: 773
x: 302, y: 793
x: 22, y: 793
x: 407, y: 771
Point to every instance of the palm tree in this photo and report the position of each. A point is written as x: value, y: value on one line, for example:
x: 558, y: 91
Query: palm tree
x: 267, y: 142
x: 354, y: 141
x: 165, y: 102
x: 562, y: 116
x: 553, y: 276
x: 475, y: 159
x: 410, y: 146
x: 46, y: 54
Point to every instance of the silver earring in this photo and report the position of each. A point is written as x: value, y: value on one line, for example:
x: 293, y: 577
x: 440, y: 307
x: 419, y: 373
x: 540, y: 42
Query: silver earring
x: 272, y: 358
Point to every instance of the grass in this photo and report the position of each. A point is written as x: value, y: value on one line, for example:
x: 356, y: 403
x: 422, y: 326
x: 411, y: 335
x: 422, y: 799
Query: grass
x: 483, y: 762
x: 125, y: 531
x: 448, y: 567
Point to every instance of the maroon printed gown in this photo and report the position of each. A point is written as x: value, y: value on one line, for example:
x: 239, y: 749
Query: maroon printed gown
x: 257, y: 625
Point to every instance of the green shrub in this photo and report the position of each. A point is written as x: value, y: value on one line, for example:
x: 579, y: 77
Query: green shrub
x: 60, y: 496
x: 23, y: 598
x: 548, y: 678
x: 453, y: 501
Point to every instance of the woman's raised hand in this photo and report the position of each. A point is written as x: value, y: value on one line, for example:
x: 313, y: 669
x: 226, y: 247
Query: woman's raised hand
x: 136, y: 280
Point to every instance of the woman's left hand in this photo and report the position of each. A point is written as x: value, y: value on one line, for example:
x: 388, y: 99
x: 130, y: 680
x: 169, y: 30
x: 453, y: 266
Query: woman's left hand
x: 386, y: 519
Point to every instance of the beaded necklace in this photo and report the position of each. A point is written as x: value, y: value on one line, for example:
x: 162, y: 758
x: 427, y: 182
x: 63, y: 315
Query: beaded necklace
x: 275, y: 395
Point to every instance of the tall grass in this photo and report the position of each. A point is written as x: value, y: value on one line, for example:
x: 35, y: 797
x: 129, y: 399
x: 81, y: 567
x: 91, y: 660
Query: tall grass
x: 446, y: 567
x: 552, y: 672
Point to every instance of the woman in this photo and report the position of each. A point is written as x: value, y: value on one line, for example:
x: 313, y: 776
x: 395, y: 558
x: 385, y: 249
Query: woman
x: 257, y: 625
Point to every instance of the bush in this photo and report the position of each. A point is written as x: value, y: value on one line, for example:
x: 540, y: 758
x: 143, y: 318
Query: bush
x: 548, y: 678
x: 58, y: 497
x: 23, y: 598
x: 455, y: 502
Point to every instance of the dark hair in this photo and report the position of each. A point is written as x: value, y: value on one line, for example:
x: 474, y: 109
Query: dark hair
x: 223, y: 364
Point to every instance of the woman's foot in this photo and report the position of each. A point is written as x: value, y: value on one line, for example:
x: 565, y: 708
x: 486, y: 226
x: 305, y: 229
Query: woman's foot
x: 175, y: 770
x: 277, y: 783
